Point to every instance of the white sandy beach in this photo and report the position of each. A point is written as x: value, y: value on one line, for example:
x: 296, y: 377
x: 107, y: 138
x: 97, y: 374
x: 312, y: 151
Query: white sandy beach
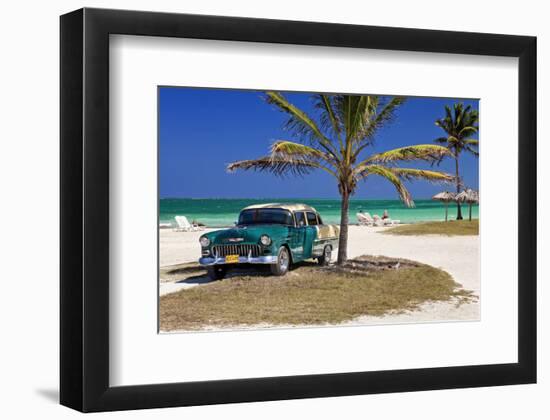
x: 458, y: 255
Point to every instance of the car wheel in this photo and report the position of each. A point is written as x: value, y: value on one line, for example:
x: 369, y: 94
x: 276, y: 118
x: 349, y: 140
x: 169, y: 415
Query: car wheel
x: 326, y: 257
x: 216, y: 272
x: 282, y: 265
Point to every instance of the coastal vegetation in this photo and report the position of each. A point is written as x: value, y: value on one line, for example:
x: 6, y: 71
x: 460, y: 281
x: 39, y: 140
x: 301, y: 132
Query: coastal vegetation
x: 452, y: 228
x: 337, y: 142
x: 459, y: 124
x: 308, y: 295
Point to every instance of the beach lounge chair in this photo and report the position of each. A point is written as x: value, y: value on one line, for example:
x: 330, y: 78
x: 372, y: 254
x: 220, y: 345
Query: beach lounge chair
x: 365, y: 219
x: 183, y: 225
x: 390, y: 222
x: 377, y: 220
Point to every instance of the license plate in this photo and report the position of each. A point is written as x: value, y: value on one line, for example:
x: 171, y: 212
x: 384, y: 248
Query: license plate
x: 231, y: 259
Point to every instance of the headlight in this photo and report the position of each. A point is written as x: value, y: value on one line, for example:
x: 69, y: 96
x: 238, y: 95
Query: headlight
x: 204, y: 241
x: 265, y: 240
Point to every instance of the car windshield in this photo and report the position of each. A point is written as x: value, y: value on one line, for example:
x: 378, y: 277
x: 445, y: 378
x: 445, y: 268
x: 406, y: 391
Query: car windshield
x: 265, y: 217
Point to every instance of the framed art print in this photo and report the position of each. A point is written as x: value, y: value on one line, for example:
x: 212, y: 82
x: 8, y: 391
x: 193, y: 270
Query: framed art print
x: 257, y: 209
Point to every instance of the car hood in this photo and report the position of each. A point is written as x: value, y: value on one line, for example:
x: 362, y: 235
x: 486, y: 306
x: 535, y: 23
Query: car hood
x: 246, y: 234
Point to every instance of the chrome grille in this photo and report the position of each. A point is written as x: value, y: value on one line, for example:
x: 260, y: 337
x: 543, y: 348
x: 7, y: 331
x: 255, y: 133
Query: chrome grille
x: 242, y: 250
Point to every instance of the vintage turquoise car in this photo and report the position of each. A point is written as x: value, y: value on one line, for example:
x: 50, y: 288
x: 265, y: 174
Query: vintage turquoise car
x: 275, y: 234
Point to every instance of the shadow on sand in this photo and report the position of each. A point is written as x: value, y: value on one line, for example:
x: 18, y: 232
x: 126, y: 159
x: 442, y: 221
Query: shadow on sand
x: 258, y: 270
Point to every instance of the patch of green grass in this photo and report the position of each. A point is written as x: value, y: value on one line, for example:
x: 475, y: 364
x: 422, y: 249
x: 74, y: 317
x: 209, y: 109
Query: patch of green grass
x: 310, y: 295
x: 451, y: 228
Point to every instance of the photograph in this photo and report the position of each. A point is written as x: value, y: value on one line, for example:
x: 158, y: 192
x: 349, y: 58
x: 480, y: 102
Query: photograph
x: 286, y: 209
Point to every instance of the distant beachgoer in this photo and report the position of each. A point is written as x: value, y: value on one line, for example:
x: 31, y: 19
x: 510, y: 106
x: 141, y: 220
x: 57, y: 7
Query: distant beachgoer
x: 385, y: 215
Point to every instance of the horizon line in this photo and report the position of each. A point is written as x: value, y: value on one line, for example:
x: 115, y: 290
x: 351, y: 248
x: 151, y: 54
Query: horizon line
x: 279, y: 198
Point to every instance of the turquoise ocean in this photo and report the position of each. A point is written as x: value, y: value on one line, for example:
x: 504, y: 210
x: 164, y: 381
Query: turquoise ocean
x: 224, y: 212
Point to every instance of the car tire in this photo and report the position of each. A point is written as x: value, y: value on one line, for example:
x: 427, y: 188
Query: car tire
x: 216, y: 272
x: 325, y: 259
x: 280, y: 268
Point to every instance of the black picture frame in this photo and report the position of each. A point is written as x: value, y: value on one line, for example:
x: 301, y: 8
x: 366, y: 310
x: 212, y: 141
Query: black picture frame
x: 84, y: 296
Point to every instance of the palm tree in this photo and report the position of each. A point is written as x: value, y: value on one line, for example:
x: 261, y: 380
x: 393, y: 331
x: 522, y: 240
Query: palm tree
x: 459, y: 124
x: 336, y: 143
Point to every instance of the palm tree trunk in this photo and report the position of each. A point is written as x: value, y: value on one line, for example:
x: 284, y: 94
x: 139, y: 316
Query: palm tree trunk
x: 470, y: 212
x: 458, y: 209
x: 446, y: 209
x: 344, y: 222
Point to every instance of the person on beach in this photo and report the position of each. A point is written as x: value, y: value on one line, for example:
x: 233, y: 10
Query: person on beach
x: 385, y: 215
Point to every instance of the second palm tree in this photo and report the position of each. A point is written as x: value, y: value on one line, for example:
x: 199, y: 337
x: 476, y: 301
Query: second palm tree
x: 459, y: 124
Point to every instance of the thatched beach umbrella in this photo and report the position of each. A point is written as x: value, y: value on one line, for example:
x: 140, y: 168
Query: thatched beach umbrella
x: 468, y: 196
x: 446, y: 197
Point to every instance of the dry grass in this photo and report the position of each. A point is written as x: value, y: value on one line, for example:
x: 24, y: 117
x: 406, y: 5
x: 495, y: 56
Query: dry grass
x: 451, y: 228
x: 310, y: 295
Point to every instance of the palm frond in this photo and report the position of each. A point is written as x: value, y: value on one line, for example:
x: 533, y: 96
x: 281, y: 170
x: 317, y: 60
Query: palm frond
x: 448, y: 113
x: 471, y: 150
x: 364, y: 108
x: 299, y: 122
x: 376, y: 121
x: 284, y: 149
x: 467, y: 131
x: 453, y: 142
x: 351, y: 110
x: 409, y: 174
x: 327, y: 117
x: 426, y: 152
x: 391, y: 176
x: 276, y: 166
x: 384, y: 116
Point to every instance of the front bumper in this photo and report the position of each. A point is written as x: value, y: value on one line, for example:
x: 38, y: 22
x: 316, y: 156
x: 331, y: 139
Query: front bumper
x: 266, y: 259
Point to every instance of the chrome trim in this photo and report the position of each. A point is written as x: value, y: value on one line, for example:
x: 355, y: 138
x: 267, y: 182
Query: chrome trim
x: 330, y: 238
x: 267, y: 259
x: 242, y: 250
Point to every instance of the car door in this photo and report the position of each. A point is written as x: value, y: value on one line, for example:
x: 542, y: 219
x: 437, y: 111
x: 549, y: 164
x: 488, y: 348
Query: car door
x: 297, y: 236
x: 310, y: 234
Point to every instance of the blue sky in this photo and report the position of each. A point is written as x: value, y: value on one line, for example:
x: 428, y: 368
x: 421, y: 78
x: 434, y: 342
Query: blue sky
x: 202, y: 130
